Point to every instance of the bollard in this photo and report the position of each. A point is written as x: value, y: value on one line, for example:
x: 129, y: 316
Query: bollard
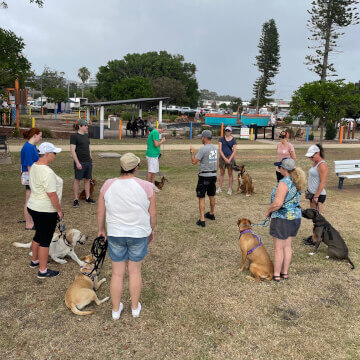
x: 67, y: 122
x: 4, y: 119
x: 55, y: 114
x: 30, y: 112
x: 157, y: 124
x: 84, y: 114
x: 251, y: 133
x: 79, y: 114
x: 76, y: 122
x: 33, y: 122
x: 307, y: 133
x: 120, y: 129
x: 190, y: 130
x: 222, y: 130
x: 341, y: 134
x: 42, y: 113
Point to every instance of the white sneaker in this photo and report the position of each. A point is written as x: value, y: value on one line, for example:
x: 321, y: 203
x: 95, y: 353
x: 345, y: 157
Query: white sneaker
x: 218, y: 191
x: 156, y: 189
x: 136, y: 313
x: 116, y: 314
x: 229, y: 192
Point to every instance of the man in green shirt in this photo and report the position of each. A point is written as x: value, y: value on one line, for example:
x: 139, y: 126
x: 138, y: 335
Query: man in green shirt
x: 153, y: 152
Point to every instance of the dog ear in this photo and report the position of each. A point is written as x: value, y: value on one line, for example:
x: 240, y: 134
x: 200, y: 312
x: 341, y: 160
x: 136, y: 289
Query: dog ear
x: 316, y: 212
x: 69, y: 236
x: 238, y: 222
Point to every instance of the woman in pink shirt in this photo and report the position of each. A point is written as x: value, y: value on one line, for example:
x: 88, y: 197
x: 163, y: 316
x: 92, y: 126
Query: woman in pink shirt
x: 284, y: 150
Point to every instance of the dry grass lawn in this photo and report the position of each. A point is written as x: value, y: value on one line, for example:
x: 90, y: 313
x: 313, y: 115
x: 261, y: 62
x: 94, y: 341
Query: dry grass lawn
x: 195, y: 303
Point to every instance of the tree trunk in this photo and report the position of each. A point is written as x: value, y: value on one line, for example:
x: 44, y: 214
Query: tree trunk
x: 326, y: 51
x: 82, y: 90
x: 322, y: 122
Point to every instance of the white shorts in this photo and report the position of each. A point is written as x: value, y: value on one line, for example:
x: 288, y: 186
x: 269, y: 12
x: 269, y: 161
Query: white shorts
x: 153, y: 164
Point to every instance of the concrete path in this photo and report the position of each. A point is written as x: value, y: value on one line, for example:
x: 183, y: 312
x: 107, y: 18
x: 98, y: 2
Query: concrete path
x: 197, y: 145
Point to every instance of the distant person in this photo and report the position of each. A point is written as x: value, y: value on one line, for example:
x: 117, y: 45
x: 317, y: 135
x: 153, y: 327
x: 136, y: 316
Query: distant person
x: 227, y: 152
x: 284, y: 150
x: 81, y: 153
x: 134, y: 127
x: 142, y: 126
x: 153, y: 153
x: 207, y: 157
x: 28, y: 156
x: 44, y: 206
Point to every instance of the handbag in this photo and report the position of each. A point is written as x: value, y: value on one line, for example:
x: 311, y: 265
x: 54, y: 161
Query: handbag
x: 25, y: 179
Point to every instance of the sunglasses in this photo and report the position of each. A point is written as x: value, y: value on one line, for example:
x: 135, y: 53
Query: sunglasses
x: 54, y: 153
x: 282, y: 137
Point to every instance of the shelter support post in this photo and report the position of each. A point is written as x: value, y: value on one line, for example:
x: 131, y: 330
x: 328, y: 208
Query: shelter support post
x: 140, y: 111
x: 160, y: 112
x: 102, y: 123
x: 88, y: 114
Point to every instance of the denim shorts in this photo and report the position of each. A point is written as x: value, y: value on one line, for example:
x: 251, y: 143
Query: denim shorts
x: 127, y: 248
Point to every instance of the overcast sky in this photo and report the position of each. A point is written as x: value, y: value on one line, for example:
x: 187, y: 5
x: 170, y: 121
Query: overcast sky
x: 219, y: 36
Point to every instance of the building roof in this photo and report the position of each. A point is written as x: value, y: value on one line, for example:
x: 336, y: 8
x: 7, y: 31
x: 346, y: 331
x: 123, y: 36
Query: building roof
x: 128, y: 101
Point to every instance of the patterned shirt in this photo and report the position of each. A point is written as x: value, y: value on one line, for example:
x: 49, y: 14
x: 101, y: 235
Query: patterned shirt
x: 290, y: 209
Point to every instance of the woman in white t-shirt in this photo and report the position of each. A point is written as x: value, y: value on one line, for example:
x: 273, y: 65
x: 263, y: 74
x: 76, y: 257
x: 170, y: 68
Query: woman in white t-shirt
x: 44, y: 207
x: 128, y: 206
x: 284, y: 150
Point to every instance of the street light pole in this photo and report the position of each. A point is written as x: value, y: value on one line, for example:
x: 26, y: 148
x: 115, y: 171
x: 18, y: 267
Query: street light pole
x: 257, y: 102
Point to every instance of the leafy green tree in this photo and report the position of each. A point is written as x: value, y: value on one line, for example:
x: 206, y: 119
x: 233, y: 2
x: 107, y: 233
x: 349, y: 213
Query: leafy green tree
x: 223, y: 106
x: 235, y: 104
x: 328, y: 18
x: 56, y: 95
x: 39, y: 3
x: 325, y: 100
x: 49, y: 79
x: 175, y: 89
x: 83, y: 74
x: 90, y: 95
x: 268, y: 62
x: 13, y: 63
x: 132, y: 88
x: 150, y: 65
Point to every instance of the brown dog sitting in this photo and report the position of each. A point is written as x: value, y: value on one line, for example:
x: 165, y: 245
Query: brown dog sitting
x: 252, y: 248
x: 160, y: 184
x: 245, y: 184
x: 82, y: 291
x: 92, y: 187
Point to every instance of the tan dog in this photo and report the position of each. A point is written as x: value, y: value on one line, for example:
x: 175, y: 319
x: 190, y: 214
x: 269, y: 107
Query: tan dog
x: 160, y: 184
x: 82, y: 291
x: 245, y: 183
x: 92, y: 187
x: 261, y: 265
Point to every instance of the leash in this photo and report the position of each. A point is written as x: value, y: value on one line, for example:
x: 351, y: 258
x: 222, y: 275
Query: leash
x: 98, y: 250
x: 62, y: 229
x: 265, y: 223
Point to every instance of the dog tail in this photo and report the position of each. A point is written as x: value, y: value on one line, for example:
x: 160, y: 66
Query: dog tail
x: 351, y: 263
x: 76, y: 311
x: 22, y: 245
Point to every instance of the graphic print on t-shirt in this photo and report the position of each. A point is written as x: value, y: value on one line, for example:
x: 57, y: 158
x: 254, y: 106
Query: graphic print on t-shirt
x: 213, y: 156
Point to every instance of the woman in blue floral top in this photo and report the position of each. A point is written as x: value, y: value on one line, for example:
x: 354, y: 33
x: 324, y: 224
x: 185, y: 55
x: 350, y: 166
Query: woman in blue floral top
x: 285, y: 214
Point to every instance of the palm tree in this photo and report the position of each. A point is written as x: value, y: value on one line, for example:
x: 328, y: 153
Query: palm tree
x: 83, y: 74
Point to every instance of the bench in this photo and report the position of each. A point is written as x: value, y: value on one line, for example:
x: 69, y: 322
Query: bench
x: 347, y: 169
x: 3, y: 143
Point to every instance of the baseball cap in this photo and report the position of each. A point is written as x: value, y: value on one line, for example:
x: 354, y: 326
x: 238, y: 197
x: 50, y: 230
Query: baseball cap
x: 47, y: 147
x: 286, y: 163
x: 82, y: 122
x: 228, y: 128
x: 129, y: 161
x: 206, y: 134
x: 313, y: 149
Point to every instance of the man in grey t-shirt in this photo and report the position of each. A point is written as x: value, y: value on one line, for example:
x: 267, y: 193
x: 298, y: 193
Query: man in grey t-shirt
x: 207, y: 156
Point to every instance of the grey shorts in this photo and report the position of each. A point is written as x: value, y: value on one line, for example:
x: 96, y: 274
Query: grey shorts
x: 283, y: 228
x: 85, y: 172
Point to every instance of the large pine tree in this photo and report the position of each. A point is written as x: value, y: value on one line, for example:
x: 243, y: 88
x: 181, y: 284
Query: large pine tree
x: 328, y: 18
x: 268, y: 62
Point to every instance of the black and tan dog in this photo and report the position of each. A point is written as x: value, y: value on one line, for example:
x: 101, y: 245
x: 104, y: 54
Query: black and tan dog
x: 325, y: 232
x: 253, y: 249
x: 160, y: 184
x: 92, y: 188
x: 245, y: 183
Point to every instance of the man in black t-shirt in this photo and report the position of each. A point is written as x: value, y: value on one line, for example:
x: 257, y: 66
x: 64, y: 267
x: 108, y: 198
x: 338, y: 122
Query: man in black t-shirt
x: 80, y: 152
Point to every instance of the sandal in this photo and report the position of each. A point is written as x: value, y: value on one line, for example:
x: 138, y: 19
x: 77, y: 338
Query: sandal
x: 284, y: 276
x: 33, y: 228
x: 276, y: 278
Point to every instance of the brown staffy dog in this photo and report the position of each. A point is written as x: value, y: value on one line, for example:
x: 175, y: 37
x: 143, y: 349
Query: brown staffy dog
x: 82, y: 291
x: 251, y: 247
x: 92, y: 187
x: 245, y: 183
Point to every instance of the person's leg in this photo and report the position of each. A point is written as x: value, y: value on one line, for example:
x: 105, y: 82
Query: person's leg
x: 76, y: 189
x: 221, y: 179
x: 117, y: 283
x: 231, y: 178
x: 278, y: 255
x: 43, y: 257
x: 35, y: 251
x: 29, y: 223
x: 212, y: 205
x: 287, y: 250
x: 87, y: 188
x: 135, y: 282
x: 202, y: 208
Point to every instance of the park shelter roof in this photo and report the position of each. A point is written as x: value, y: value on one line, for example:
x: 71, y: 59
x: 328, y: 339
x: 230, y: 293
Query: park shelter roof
x: 128, y: 101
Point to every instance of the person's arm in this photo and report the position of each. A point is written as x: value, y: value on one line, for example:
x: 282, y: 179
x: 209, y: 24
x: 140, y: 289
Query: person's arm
x: 157, y: 143
x: 233, y: 153
x: 56, y: 203
x: 152, y: 212
x: 194, y: 160
x: 74, y: 156
x: 323, y: 173
x: 101, y: 216
x: 292, y: 153
x: 278, y: 202
x: 221, y: 152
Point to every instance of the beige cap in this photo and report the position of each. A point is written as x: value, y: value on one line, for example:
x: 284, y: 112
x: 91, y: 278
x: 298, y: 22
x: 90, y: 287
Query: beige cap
x: 129, y: 161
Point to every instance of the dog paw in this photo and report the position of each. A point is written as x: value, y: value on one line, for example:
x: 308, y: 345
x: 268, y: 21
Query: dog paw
x: 247, y: 194
x: 311, y: 253
x: 241, y: 269
x: 82, y: 263
x: 106, y: 299
x: 60, y: 261
x: 30, y: 253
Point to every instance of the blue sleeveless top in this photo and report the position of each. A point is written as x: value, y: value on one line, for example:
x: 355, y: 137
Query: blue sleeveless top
x: 290, y: 209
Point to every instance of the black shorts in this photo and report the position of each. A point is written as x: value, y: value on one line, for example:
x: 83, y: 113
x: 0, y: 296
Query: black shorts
x: 85, y: 172
x: 27, y: 187
x: 322, y: 199
x: 45, y: 224
x: 283, y: 228
x: 206, y: 184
